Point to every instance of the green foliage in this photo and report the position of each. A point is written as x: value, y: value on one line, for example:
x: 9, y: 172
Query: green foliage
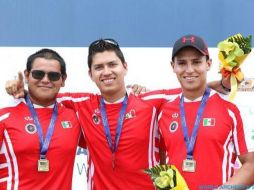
x: 156, y: 172
x: 243, y: 42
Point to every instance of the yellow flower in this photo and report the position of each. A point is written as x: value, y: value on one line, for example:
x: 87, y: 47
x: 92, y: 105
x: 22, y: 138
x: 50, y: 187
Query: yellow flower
x: 232, y: 53
x: 167, y: 177
x: 162, y: 182
x: 230, y: 50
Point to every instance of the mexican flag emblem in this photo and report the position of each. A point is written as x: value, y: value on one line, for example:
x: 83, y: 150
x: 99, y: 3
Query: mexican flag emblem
x: 208, y: 122
x: 66, y: 124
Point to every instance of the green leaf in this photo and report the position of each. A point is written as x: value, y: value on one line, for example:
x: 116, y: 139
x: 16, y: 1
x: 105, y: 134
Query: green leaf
x: 243, y: 42
x: 239, y: 52
x: 233, y: 63
x: 163, y: 176
x: 230, y: 57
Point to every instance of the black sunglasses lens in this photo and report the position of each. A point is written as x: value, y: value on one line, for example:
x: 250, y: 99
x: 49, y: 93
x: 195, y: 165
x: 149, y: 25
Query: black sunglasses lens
x: 54, y: 76
x: 38, y: 74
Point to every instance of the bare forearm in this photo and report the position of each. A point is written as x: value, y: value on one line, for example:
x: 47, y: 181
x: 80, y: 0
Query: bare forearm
x: 221, y: 86
x: 242, y: 179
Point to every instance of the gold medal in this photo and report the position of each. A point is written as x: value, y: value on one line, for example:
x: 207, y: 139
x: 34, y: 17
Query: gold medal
x: 43, y: 165
x: 189, y: 165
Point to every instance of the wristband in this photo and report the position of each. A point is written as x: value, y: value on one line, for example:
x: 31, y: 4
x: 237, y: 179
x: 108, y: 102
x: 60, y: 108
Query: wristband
x: 224, y: 88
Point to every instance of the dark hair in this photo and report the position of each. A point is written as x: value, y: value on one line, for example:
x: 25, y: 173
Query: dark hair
x: 47, y: 54
x: 102, y: 45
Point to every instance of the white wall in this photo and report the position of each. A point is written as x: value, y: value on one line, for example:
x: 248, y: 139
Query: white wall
x: 147, y: 66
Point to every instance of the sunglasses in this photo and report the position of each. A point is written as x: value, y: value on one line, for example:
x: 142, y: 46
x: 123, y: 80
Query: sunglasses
x: 52, y: 76
x: 107, y: 40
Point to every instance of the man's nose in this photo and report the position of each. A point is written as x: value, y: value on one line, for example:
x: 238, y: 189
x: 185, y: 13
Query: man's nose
x: 106, y: 70
x: 189, y: 68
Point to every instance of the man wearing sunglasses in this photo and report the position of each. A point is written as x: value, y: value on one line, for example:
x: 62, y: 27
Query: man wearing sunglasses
x: 120, y: 129
x: 38, y: 136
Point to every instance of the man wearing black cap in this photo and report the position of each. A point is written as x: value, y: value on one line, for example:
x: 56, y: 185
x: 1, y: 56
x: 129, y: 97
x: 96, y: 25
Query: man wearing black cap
x: 203, y: 133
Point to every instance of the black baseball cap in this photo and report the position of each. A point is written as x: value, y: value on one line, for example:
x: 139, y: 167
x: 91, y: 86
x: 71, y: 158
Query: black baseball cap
x: 191, y: 41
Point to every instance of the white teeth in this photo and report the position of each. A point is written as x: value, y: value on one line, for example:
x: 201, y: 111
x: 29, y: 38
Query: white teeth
x: 189, y: 78
x: 108, y: 81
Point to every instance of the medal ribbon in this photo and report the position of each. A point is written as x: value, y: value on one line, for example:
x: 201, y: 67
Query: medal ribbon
x: 119, y: 123
x: 44, y: 143
x: 190, y: 141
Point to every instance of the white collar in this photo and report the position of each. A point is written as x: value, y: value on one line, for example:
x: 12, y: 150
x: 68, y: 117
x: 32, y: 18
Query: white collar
x: 199, y: 98
x: 115, y: 102
x: 195, y: 100
x: 38, y: 106
x: 128, y: 91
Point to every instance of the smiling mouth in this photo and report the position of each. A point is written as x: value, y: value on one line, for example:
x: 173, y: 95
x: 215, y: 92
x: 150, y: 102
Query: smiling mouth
x: 108, y: 81
x: 47, y: 87
x: 189, y: 78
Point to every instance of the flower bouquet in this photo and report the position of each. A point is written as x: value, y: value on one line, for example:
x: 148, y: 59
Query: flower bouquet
x: 232, y: 53
x: 166, y: 177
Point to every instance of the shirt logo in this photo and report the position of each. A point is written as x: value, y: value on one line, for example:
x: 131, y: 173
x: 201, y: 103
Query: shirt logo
x: 66, y: 124
x: 130, y: 114
x: 96, y: 119
x: 175, y: 115
x: 173, y: 126
x: 30, y: 128
x: 97, y: 111
x: 208, y: 122
x: 28, y: 118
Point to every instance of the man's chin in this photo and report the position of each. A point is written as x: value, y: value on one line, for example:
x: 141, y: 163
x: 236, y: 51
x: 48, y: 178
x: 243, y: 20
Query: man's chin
x: 109, y: 92
x: 47, y: 97
x: 192, y: 87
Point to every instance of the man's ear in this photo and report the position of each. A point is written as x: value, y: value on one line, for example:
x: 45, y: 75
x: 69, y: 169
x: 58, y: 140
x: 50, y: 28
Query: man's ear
x: 90, y: 74
x: 209, y: 64
x: 172, y: 63
x: 26, y: 74
x: 125, y: 65
x: 64, y: 77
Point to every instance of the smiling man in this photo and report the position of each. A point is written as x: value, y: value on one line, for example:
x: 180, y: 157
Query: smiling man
x: 38, y: 136
x: 107, y: 71
x: 120, y: 129
x: 204, y: 133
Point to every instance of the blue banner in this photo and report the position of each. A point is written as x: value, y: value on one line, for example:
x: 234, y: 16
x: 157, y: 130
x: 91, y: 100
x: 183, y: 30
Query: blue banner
x: 142, y: 23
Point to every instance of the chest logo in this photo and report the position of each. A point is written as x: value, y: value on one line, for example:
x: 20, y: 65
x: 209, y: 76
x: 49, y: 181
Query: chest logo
x: 130, y: 114
x: 96, y: 119
x: 173, y: 126
x: 66, y: 124
x: 175, y: 115
x: 30, y: 128
x: 208, y: 122
x: 28, y: 118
